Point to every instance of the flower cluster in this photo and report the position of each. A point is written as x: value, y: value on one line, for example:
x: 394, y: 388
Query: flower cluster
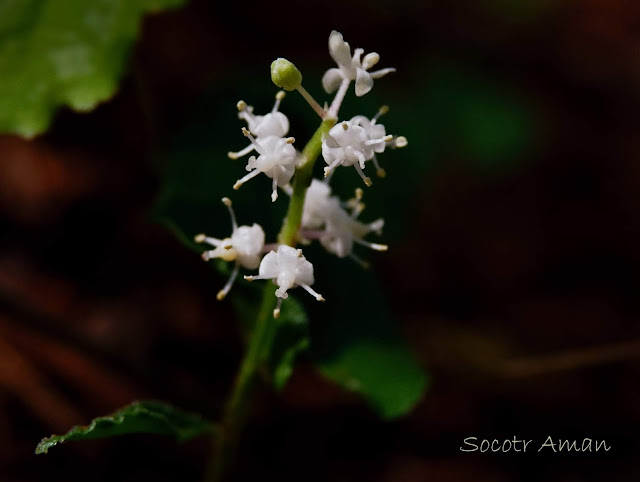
x: 320, y: 215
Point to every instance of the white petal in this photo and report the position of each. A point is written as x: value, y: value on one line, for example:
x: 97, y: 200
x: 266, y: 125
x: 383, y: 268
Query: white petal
x: 331, y: 80
x: 381, y: 73
x: 357, y: 54
x: 364, y: 82
x: 339, y: 49
x: 370, y: 60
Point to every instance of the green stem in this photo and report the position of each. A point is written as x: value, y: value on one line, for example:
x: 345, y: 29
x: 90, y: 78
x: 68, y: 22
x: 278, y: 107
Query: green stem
x: 304, y: 173
x: 226, y: 441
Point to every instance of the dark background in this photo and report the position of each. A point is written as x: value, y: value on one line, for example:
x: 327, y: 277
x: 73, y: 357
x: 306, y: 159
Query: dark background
x: 513, y: 218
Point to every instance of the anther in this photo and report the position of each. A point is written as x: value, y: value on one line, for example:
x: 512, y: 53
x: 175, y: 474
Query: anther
x: 401, y: 141
x: 200, y: 238
x: 241, y: 105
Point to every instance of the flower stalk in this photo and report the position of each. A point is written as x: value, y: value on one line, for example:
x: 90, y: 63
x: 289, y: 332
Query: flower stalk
x: 261, y: 339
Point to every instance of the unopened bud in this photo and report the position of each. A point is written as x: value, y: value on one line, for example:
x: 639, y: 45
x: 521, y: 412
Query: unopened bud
x: 285, y: 75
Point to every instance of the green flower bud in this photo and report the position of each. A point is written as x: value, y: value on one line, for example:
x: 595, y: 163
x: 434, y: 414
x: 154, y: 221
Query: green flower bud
x: 285, y: 75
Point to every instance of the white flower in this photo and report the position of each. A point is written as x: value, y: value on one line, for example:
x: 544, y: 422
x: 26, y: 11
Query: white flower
x: 245, y: 247
x: 317, y: 203
x: 272, y: 124
x: 351, y: 68
x: 341, y: 229
x: 376, y: 131
x: 288, y: 268
x: 348, y: 144
x: 277, y: 160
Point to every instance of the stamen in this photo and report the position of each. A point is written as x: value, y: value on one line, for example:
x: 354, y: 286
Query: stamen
x: 241, y: 105
x: 246, y: 132
x: 358, y: 207
x: 227, y: 287
x: 276, y: 311
x: 364, y: 264
x: 359, y: 193
x: 371, y: 142
x: 207, y: 255
x: 331, y: 167
x: 401, y: 141
x: 313, y: 293
x: 290, y: 140
x: 345, y: 126
x: 382, y: 111
x: 361, y: 159
x: 374, y: 246
x: 311, y: 101
x: 243, y: 152
x: 227, y: 202
x: 274, y: 193
x: 377, y: 226
x: 201, y: 238
x: 253, y: 278
x: 249, y: 176
x: 366, y: 179
x: 279, y: 96
x: 379, y: 171
x: 381, y: 73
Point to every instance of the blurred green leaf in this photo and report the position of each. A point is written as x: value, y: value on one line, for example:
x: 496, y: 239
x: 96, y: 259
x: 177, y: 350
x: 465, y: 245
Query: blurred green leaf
x: 358, y: 345
x: 291, y: 336
x: 139, y: 417
x: 291, y: 339
x: 69, y: 52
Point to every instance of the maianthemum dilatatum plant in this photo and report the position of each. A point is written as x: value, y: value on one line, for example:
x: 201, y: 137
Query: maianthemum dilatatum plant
x: 314, y: 213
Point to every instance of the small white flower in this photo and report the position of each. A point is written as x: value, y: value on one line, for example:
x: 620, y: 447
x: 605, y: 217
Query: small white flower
x: 376, y: 131
x: 351, y: 68
x: 272, y: 124
x: 277, y: 159
x: 317, y: 203
x: 288, y: 268
x: 341, y: 229
x: 245, y: 247
x: 348, y: 144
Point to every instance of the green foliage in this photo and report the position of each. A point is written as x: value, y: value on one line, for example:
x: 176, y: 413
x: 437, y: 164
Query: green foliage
x: 69, y: 52
x: 291, y: 336
x: 139, y: 417
x: 357, y: 344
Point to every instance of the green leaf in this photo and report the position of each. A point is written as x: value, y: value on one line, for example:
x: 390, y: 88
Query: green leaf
x: 358, y: 345
x: 70, y: 52
x: 291, y: 339
x: 291, y: 335
x: 139, y: 417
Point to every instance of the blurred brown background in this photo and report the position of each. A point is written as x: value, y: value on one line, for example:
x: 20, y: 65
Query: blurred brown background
x: 513, y: 218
